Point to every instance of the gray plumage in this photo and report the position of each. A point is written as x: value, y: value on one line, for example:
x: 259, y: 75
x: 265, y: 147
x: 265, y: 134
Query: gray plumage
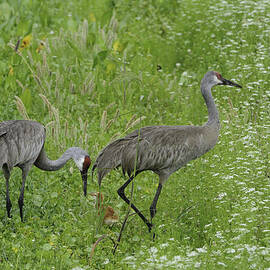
x: 22, y: 145
x: 162, y: 149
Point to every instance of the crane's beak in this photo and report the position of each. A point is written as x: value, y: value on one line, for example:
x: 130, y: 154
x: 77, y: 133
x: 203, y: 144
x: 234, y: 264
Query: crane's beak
x: 84, y: 178
x: 227, y: 82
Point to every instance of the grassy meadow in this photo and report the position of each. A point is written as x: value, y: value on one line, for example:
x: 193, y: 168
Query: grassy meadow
x: 88, y: 71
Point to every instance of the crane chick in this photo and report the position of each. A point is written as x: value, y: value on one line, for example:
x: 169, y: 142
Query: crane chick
x: 110, y: 216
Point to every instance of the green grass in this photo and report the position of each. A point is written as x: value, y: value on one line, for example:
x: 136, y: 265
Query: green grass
x: 98, y: 72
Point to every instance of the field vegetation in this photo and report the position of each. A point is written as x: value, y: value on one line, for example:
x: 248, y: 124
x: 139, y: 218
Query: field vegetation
x: 92, y: 71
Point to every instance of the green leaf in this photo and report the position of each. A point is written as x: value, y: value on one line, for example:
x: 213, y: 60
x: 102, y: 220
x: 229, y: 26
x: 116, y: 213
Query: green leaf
x: 54, y: 195
x: 71, y: 25
x: 91, y: 40
x: 3, y: 67
x: 38, y: 200
x: 75, y: 48
x: 100, y: 57
x: 26, y: 98
x: 47, y: 247
x: 135, y: 238
x: 5, y: 10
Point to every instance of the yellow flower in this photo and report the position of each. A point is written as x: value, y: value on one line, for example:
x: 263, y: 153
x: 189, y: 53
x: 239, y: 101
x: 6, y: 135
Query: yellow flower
x: 117, y: 46
x: 15, y: 249
x: 26, y: 41
x: 92, y: 17
x: 69, y: 250
x: 111, y: 67
x: 40, y: 46
x: 10, y: 73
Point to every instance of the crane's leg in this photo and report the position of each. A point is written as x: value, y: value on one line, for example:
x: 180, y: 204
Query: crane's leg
x: 8, y: 202
x: 153, y: 209
x: 121, y: 193
x: 25, y: 171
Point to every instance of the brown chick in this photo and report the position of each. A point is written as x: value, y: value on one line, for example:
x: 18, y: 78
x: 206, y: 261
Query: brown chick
x: 110, y: 216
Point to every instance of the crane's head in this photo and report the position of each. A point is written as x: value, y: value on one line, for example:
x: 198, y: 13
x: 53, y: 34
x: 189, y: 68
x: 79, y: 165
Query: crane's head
x: 85, y: 166
x: 83, y: 162
x: 212, y: 78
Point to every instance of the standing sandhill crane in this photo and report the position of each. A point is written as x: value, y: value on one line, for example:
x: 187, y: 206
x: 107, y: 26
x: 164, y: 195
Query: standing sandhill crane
x: 22, y: 145
x: 162, y: 149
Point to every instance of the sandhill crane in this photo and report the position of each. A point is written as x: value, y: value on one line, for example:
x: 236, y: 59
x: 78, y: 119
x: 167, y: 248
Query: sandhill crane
x: 110, y: 216
x: 22, y: 145
x: 162, y: 149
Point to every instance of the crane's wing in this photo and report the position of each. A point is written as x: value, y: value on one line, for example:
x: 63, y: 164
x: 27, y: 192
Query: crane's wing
x: 2, y: 132
x: 110, y: 157
x: 5, y: 126
x: 162, y: 149
x: 23, y: 141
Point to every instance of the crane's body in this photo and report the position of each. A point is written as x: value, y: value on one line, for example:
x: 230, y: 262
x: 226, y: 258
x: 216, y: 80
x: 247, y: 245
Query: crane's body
x: 17, y: 149
x: 162, y: 149
x: 22, y: 145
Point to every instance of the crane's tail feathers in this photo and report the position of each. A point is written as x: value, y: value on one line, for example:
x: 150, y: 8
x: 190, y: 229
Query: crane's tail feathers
x: 109, y: 158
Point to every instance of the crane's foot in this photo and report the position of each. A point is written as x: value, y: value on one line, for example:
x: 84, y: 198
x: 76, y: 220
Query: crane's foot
x: 20, y: 202
x: 150, y: 226
x: 21, y: 215
x: 8, y: 206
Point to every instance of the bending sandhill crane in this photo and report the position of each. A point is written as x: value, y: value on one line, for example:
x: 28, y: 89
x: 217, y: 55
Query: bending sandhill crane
x: 22, y: 145
x: 109, y: 215
x: 162, y: 149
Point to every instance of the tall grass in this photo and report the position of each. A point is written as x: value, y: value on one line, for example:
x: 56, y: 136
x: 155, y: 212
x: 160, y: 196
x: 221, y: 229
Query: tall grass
x: 89, y: 74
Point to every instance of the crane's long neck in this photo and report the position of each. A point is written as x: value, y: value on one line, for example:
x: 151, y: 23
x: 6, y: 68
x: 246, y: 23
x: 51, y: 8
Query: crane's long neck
x: 213, y: 117
x: 44, y: 163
